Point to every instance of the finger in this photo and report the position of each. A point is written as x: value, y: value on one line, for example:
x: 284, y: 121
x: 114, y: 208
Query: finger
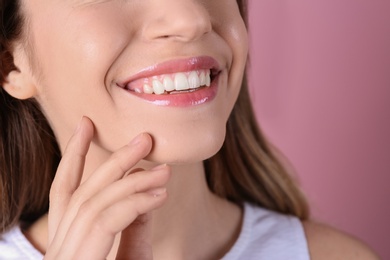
x: 110, y: 171
x: 136, y: 170
x: 116, y: 166
x: 69, y: 173
x: 91, y: 235
x: 152, y: 181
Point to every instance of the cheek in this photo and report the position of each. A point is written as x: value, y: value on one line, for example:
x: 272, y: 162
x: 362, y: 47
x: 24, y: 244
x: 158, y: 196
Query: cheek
x: 75, y: 52
x: 78, y: 49
x: 231, y: 27
x: 76, y: 55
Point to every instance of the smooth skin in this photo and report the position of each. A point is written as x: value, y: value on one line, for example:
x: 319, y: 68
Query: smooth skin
x: 79, y: 50
x: 84, y: 219
x: 110, y: 196
x: 87, y: 217
x: 83, y: 214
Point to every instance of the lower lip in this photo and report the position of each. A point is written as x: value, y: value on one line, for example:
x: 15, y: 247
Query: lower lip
x: 185, y: 99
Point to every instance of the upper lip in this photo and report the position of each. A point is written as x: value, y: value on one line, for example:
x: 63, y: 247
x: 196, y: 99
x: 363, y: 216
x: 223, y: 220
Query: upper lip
x: 175, y: 66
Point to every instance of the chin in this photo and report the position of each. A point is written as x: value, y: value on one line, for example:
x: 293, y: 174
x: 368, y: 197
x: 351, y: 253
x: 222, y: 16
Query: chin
x: 185, y: 149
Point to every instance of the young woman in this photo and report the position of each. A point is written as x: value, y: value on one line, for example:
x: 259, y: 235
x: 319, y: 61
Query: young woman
x: 140, y: 112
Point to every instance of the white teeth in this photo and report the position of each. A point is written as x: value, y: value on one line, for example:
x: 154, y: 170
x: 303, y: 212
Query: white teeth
x: 168, y: 84
x: 158, y: 87
x: 181, y: 82
x: 148, y: 89
x: 193, y: 80
x: 202, y: 78
x: 208, y: 79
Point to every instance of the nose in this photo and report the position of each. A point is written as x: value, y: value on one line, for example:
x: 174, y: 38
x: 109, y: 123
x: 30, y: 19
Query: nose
x: 178, y: 20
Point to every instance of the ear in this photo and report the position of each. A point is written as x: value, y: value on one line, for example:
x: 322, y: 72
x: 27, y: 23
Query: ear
x: 19, y: 83
x: 19, y: 86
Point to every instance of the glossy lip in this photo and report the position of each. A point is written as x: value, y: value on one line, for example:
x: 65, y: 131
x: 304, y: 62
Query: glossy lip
x: 183, y: 99
x: 173, y: 66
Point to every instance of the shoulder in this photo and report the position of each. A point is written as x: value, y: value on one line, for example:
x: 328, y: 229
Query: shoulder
x: 266, y: 234
x: 328, y: 243
x: 14, y: 245
x: 8, y: 248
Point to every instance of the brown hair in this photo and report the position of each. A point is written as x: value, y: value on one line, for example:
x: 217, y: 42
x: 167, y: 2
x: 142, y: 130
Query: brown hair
x: 245, y: 169
x: 29, y: 154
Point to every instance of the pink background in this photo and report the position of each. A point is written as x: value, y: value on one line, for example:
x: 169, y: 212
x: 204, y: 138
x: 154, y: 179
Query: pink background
x: 320, y: 79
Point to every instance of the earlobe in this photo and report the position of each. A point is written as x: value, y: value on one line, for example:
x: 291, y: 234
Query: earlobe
x: 19, y: 85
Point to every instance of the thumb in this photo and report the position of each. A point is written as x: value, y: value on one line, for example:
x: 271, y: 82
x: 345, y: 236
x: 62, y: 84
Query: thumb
x: 136, y: 240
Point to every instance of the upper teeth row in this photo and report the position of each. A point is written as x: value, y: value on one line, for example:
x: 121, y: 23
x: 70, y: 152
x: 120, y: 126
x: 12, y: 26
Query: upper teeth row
x: 178, y: 81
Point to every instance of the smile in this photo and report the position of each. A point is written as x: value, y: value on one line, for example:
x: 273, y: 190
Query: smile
x: 186, y: 82
x: 172, y: 83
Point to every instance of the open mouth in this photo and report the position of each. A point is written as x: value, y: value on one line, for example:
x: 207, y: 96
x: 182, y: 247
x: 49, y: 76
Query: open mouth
x: 181, y: 83
x: 175, y: 83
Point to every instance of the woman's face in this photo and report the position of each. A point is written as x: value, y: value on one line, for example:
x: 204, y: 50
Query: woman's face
x: 110, y: 60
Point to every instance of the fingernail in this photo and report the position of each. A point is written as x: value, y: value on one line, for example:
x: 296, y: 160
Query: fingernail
x: 159, y: 167
x: 136, y: 140
x: 157, y: 192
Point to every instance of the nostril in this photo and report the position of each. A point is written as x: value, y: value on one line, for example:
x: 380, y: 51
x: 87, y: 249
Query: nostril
x: 185, y: 21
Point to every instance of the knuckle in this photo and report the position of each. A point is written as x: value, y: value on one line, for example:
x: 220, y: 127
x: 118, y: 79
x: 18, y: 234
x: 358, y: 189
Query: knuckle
x: 133, y: 206
x: 115, y: 157
x: 137, y: 182
x: 109, y: 225
x: 86, y: 209
x: 132, y: 184
x: 77, y: 199
x: 102, y: 226
x: 117, y: 160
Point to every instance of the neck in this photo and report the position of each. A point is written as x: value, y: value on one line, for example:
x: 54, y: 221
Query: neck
x: 189, y: 218
x: 193, y: 215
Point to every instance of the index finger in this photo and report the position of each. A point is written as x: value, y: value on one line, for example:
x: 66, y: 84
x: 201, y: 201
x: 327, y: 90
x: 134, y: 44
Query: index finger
x: 69, y: 173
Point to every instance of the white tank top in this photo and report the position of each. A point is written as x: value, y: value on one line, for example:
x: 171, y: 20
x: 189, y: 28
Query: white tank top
x: 270, y: 236
x: 264, y: 235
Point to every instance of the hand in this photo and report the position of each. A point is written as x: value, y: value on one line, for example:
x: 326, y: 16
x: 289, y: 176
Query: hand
x: 85, y: 218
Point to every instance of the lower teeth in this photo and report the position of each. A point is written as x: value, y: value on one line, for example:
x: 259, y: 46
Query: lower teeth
x: 183, y: 91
